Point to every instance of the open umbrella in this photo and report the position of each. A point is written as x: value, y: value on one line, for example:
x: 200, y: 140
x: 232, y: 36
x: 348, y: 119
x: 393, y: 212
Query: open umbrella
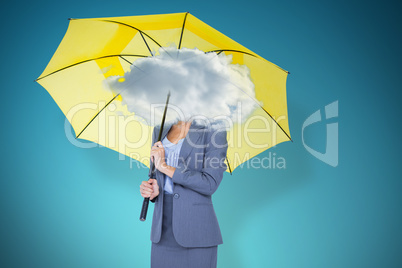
x: 97, y: 48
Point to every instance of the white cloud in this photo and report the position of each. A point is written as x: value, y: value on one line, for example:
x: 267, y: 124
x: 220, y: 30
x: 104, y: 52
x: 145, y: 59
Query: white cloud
x: 201, y: 85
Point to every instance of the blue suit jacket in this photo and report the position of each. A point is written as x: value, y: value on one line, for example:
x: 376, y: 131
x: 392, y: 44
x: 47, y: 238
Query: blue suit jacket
x: 197, y: 176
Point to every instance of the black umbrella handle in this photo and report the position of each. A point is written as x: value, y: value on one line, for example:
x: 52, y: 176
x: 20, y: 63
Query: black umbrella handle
x: 144, y: 209
x: 145, y: 203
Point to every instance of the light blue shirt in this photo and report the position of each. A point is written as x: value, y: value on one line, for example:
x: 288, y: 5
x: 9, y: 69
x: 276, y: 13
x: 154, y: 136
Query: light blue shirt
x: 172, y: 152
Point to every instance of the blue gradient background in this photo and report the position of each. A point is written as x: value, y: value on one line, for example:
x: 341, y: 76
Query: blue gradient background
x: 62, y: 206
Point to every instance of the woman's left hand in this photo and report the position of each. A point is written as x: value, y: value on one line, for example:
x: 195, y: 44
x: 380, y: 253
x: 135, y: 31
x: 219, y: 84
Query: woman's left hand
x: 158, y: 155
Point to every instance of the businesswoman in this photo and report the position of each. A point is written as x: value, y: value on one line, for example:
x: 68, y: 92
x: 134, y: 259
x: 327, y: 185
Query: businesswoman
x: 189, y: 163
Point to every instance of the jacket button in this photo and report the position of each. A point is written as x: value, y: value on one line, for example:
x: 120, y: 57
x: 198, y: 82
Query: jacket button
x: 176, y: 196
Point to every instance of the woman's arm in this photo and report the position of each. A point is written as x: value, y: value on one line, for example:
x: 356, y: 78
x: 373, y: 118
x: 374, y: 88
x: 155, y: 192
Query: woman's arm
x: 168, y: 170
x: 208, y: 179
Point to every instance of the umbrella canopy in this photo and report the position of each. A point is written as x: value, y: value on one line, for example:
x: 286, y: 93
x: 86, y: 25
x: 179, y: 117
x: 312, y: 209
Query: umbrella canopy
x: 95, y: 49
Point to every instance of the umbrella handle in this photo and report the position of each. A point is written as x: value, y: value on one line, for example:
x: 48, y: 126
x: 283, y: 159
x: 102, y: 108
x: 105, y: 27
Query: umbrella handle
x: 145, y: 203
x: 144, y: 209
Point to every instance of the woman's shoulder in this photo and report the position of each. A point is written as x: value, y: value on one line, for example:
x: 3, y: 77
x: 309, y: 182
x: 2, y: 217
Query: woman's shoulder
x: 215, y: 133
x: 210, y: 125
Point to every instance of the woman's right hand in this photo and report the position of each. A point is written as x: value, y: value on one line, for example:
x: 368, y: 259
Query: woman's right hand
x: 149, y: 189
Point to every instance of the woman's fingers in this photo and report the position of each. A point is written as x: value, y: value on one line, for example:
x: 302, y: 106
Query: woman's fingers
x: 146, y: 189
x: 146, y: 184
x: 158, y: 144
x: 153, y: 183
x: 155, y: 188
x: 158, y: 154
x: 157, y: 149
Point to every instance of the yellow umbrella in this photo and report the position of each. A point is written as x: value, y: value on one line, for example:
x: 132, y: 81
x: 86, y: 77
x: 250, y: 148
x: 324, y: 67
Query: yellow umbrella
x: 97, y: 48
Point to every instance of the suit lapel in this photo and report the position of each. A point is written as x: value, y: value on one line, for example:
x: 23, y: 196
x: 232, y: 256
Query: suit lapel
x: 190, y: 140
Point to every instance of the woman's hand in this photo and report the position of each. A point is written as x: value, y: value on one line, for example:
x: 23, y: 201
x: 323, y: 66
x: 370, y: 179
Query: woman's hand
x: 158, y: 155
x: 149, y: 189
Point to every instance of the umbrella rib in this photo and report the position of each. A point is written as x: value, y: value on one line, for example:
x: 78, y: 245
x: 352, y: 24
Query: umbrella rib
x: 230, y: 50
x: 125, y: 60
x: 262, y: 109
x: 182, y: 30
x: 131, y: 64
x: 84, y: 61
x: 143, y: 38
x: 121, y: 23
x: 276, y: 122
x: 247, y: 53
x: 220, y: 51
x: 93, y: 118
x: 227, y: 160
x: 267, y: 114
